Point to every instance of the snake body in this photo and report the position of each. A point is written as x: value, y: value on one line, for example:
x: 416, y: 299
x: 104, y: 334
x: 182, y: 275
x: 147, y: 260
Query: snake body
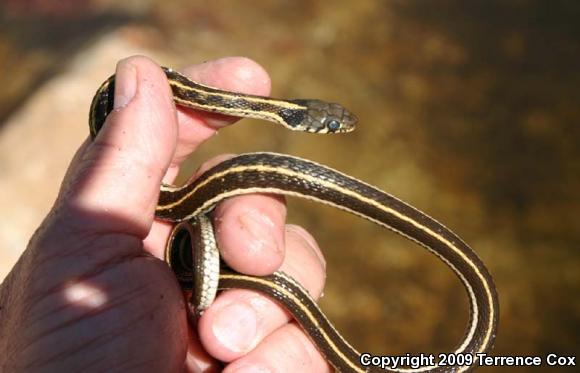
x: 283, y: 174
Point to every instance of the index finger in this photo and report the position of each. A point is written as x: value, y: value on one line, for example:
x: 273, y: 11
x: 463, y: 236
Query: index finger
x: 235, y: 74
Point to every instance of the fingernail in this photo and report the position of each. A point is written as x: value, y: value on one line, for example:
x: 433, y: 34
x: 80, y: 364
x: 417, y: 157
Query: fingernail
x: 236, y: 327
x: 261, y: 231
x: 306, y: 238
x: 125, y: 84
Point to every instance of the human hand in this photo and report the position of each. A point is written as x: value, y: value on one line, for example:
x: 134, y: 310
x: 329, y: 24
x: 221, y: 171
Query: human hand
x: 90, y: 292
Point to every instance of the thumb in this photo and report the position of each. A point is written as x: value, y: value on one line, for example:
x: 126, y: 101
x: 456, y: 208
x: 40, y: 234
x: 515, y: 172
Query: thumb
x: 84, y: 293
x: 118, y: 175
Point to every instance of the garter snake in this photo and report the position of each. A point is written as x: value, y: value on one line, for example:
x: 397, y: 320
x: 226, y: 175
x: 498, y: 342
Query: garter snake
x: 287, y: 175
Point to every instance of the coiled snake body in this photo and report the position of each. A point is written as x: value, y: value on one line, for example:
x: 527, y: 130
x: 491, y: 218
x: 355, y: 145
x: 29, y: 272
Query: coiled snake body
x: 198, y: 268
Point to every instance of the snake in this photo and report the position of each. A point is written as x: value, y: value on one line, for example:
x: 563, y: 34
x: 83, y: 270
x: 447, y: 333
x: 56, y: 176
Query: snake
x: 192, y: 252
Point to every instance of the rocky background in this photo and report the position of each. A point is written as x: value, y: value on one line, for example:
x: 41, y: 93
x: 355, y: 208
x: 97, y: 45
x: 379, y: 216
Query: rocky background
x: 467, y: 110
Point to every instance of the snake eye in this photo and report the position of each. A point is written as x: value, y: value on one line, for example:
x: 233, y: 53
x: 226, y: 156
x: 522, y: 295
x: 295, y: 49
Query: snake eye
x: 332, y: 125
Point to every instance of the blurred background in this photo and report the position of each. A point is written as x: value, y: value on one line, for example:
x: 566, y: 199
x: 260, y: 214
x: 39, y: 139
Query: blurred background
x: 467, y: 111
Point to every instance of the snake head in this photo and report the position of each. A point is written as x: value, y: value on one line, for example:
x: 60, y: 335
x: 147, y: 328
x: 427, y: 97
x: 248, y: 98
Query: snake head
x: 326, y: 117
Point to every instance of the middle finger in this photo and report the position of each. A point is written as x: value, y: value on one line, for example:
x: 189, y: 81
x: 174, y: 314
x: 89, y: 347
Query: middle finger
x: 240, y: 319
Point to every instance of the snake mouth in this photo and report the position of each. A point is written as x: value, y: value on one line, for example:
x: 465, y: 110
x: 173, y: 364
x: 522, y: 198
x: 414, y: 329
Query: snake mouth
x: 349, y: 121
